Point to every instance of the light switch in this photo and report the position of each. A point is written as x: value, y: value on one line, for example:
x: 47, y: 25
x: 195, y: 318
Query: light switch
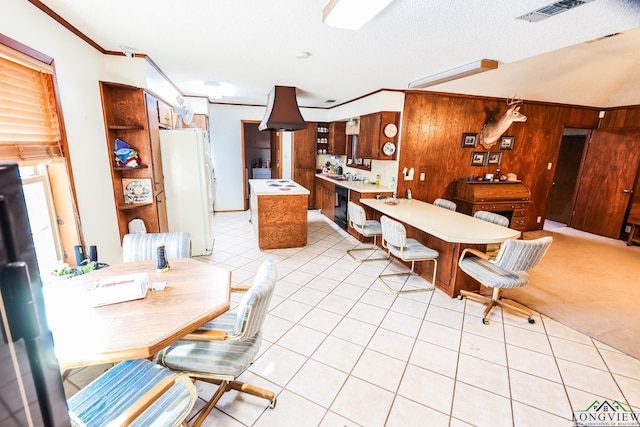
x: 549, y: 165
x: 421, y: 176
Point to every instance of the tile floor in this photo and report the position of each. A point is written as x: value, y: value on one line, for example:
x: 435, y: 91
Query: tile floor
x: 340, y: 350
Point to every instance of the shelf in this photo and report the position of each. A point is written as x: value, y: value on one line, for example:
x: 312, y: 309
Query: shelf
x: 124, y: 168
x: 120, y: 127
x: 133, y: 206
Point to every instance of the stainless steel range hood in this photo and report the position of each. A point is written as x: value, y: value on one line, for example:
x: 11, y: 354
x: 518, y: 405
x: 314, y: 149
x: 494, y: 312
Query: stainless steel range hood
x: 282, y: 112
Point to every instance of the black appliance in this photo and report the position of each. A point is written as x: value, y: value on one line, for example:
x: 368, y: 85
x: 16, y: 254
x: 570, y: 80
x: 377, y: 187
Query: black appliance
x: 32, y: 392
x: 340, y: 213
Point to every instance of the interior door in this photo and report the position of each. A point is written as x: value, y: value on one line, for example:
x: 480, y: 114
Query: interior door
x: 606, y: 182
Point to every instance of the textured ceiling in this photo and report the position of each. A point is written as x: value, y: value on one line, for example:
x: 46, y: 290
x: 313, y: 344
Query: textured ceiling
x: 251, y: 45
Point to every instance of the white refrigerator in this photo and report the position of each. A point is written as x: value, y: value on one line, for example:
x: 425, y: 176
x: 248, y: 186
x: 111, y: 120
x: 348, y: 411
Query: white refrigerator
x: 189, y: 185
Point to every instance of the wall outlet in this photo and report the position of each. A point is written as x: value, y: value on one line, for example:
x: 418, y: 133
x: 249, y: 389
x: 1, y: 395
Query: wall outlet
x: 549, y: 165
x: 539, y: 219
x: 627, y: 229
x: 422, y: 176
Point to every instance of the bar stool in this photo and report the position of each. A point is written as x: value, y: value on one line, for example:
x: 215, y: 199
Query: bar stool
x: 366, y: 227
x: 444, y: 203
x: 394, y: 238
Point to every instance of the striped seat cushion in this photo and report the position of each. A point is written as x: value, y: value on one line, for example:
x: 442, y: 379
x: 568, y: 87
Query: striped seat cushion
x: 491, y: 275
x: 371, y: 228
x: 213, y: 359
x: 413, y: 250
x: 108, y: 396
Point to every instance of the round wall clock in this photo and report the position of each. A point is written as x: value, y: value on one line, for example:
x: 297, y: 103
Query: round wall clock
x: 389, y: 148
x: 390, y: 130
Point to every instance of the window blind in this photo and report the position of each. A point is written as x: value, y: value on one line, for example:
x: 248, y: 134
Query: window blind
x: 29, y: 126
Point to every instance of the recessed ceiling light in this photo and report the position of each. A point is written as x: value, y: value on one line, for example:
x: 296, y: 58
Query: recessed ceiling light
x: 302, y: 55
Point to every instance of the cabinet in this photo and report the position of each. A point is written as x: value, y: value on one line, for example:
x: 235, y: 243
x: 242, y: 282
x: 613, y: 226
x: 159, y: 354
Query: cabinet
x: 337, y: 138
x: 510, y: 199
x: 303, y: 162
x: 372, y: 136
x: 325, y: 197
x: 132, y: 115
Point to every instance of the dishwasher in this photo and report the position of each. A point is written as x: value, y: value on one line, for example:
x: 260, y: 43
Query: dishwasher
x: 340, y: 214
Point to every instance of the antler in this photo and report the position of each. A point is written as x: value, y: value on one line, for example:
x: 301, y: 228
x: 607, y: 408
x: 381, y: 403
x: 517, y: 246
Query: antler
x: 514, y: 101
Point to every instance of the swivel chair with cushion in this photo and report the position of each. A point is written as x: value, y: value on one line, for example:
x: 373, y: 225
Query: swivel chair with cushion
x: 224, y: 348
x: 444, y: 203
x: 143, y: 246
x: 136, y: 393
x: 366, y: 227
x: 493, y: 218
x: 507, y: 270
x: 394, y: 239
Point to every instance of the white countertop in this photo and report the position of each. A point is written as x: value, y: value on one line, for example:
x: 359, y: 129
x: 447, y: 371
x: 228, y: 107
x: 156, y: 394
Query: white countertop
x: 442, y: 223
x: 276, y: 187
x: 358, y: 186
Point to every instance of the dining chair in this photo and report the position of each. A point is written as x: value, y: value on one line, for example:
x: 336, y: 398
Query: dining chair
x: 394, y: 239
x: 220, y: 351
x: 444, y: 203
x: 143, y: 246
x: 507, y: 270
x: 493, y: 218
x: 365, y: 227
x: 136, y: 393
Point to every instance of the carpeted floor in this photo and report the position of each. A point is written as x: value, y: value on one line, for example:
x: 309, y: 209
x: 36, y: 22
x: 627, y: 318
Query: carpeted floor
x: 590, y: 283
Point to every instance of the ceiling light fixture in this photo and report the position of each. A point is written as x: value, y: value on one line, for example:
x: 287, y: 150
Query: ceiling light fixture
x: 455, y: 73
x: 352, y: 14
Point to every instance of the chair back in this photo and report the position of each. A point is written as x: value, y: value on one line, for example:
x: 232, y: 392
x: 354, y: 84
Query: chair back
x: 493, y: 218
x: 522, y: 255
x: 143, y: 246
x: 393, y: 232
x: 356, y: 215
x: 444, y: 203
x: 254, y: 305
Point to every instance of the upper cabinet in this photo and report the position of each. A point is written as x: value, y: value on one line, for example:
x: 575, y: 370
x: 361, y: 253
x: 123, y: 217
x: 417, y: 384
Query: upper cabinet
x: 378, y: 138
x: 337, y: 138
x: 132, y: 117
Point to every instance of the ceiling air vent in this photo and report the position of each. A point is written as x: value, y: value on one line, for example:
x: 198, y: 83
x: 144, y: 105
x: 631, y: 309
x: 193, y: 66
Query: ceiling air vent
x: 551, y: 10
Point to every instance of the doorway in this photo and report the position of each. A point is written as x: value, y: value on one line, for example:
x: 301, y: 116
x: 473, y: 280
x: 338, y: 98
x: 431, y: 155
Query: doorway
x: 261, y: 155
x: 565, y: 179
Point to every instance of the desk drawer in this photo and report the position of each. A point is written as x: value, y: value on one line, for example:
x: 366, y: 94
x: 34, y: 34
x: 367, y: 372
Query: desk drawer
x: 520, y: 212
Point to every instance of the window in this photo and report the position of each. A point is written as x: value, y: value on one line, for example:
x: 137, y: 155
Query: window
x: 32, y: 135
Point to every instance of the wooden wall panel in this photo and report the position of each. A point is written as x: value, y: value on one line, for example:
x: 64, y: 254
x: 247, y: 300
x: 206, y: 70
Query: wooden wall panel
x: 432, y: 130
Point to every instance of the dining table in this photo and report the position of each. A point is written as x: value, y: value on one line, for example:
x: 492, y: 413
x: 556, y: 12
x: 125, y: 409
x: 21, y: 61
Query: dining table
x: 445, y: 231
x: 191, y: 293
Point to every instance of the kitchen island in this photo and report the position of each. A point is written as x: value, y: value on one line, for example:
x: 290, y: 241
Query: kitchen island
x: 279, y: 213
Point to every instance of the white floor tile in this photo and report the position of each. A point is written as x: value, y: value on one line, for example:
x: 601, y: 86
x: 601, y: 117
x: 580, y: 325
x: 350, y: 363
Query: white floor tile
x: 363, y: 403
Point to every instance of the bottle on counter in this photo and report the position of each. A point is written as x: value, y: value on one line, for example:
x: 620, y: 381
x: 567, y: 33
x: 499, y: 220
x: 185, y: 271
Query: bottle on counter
x: 378, y: 179
x: 496, y: 177
x: 392, y: 184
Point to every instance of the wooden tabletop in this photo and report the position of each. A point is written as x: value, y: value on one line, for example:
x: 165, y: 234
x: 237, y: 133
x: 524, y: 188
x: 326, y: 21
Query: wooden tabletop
x: 447, y: 225
x: 195, y: 293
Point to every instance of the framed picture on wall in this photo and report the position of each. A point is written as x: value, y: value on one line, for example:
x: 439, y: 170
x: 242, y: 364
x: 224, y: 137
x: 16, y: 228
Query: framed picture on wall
x: 478, y: 158
x: 469, y: 140
x: 506, y: 143
x: 494, y: 158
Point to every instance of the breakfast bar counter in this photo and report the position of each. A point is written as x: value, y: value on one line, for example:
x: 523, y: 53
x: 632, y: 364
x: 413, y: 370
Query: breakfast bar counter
x: 279, y: 213
x: 446, y: 231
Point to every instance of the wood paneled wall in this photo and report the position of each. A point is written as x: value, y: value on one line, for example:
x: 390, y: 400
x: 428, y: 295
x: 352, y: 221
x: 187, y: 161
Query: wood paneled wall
x: 432, y: 128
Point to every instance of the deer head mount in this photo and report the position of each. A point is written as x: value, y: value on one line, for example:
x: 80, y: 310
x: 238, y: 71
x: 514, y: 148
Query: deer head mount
x: 492, y: 131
